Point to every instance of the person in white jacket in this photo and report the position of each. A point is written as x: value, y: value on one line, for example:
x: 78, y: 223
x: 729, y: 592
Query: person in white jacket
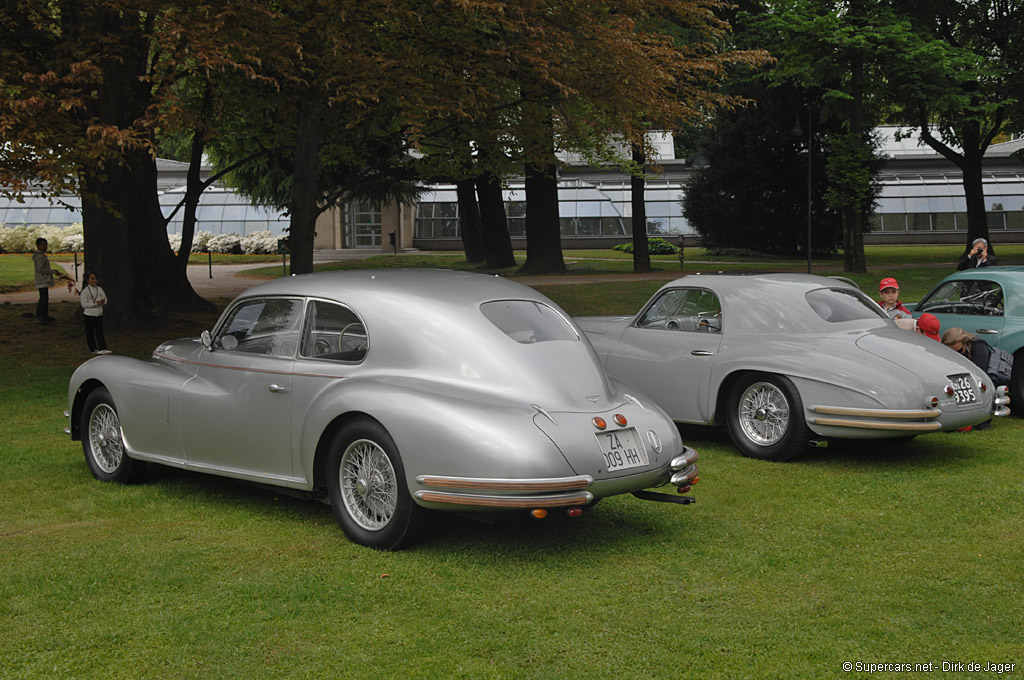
x: 93, y: 298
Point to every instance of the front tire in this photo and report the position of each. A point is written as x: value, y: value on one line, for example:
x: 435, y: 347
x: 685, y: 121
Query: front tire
x: 765, y: 417
x: 103, y: 442
x: 367, y: 488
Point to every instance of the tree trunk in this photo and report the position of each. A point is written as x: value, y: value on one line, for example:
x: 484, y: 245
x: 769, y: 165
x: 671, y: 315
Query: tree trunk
x: 543, y: 228
x: 497, y: 244
x: 469, y: 221
x: 305, y: 192
x: 974, y: 193
x: 637, y: 184
x: 128, y: 248
x: 193, y: 192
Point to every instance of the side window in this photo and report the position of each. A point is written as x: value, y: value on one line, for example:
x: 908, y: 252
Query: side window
x: 684, y: 309
x: 269, y: 326
x: 333, y: 332
x: 977, y: 298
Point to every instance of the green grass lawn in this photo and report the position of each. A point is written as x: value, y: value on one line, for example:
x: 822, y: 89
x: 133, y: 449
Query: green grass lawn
x: 861, y: 553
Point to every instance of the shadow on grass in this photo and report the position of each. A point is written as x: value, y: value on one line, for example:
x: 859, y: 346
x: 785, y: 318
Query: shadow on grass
x: 612, y: 523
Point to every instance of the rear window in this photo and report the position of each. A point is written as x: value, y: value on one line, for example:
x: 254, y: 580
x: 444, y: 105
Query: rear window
x: 528, y: 322
x: 836, y: 305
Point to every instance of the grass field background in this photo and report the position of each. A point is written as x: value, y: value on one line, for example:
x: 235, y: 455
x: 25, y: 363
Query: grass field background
x: 866, y: 552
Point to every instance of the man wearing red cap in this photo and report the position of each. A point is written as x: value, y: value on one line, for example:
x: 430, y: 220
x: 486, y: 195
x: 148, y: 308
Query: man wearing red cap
x: 891, y: 305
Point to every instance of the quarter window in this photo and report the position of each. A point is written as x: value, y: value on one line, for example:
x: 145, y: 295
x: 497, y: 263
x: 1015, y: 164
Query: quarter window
x: 333, y: 332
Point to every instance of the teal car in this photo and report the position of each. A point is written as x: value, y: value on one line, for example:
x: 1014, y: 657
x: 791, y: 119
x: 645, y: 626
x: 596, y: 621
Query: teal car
x: 987, y: 302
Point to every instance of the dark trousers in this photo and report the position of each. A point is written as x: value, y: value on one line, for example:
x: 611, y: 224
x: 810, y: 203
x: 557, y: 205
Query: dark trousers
x: 43, y: 306
x: 94, y: 333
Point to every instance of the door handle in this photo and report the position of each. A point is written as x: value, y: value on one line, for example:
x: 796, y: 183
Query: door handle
x: 701, y: 353
x: 277, y: 388
x: 986, y: 331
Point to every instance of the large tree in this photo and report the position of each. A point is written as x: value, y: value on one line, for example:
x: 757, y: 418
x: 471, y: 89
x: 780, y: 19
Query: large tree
x: 840, y: 48
x: 961, y: 84
x: 85, y: 87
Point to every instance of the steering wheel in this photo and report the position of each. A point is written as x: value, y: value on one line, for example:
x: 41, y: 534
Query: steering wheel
x: 341, y: 338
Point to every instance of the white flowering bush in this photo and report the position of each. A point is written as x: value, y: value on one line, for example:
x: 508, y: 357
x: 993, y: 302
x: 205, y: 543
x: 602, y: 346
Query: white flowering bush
x: 225, y: 243
x: 259, y: 243
x: 22, y: 239
x: 200, y: 241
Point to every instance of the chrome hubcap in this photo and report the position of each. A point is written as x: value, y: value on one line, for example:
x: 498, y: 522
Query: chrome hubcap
x: 105, y: 441
x: 764, y: 414
x: 369, y: 486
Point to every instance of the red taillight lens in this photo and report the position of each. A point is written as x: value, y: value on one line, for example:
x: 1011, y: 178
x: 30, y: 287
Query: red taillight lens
x: 574, y: 512
x: 949, y: 390
x: 620, y: 420
x: 599, y: 423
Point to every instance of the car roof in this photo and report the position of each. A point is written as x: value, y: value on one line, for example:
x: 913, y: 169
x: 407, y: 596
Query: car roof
x: 386, y: 286
x: 1015, y: 273
x: 767, y: 303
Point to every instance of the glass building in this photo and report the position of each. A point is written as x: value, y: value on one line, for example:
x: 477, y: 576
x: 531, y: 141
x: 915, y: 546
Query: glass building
x: 921, y: 200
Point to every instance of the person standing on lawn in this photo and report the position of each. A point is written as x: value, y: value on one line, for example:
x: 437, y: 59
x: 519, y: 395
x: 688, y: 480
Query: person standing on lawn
x: 43, y: 275
x: 93, y: 298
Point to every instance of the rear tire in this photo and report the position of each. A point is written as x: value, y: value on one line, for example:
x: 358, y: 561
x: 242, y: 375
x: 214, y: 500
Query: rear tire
x: 103, y: 442
x: 367, y: 488
x: 765, y: 417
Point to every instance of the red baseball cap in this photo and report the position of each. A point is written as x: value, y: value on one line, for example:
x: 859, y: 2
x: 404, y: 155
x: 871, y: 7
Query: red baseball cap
x: 888, y: 283
x: 929, y: 325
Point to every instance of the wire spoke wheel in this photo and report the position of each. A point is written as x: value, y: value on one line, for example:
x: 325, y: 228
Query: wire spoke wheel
x: 105, y: 438
x: 369, y: 485
x: 764, y: 413
x: 765, y: 417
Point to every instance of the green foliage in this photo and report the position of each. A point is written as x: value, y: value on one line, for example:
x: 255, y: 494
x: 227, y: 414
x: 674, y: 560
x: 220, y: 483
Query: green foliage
x: 655, y: 246
x: 751, y: 190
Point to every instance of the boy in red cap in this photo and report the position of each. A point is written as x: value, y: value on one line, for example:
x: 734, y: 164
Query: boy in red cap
x: 891, y: 305
x: 928, y: 325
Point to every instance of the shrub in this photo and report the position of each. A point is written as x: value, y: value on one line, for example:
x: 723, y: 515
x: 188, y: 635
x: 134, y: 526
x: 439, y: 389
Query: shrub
x: 22, y: 239
x: 655, y: 246
x: 225, y: 243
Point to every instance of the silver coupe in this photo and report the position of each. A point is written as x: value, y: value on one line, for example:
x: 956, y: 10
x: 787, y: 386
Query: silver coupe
x: 788, y: 360
x: 385, y: 394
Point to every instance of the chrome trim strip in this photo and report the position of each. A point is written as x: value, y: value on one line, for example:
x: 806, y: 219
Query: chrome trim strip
x: 545, y: 414
x: 870, y: 425
x: 483, y: 484
x: 874, y: 412
x: 519, y: 502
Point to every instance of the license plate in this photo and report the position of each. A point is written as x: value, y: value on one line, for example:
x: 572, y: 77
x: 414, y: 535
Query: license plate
x: 963, y: 389
x: 622, y: 449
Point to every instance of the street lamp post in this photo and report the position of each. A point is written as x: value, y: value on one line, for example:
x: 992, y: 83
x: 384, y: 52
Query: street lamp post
x: 810, y: 168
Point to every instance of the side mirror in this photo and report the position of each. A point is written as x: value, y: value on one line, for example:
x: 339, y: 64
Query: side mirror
x: 207, y: 340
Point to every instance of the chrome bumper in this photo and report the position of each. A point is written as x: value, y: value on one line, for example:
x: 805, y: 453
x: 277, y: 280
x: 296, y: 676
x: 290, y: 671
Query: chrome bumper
x: 553, y: 492
x: 877, y: 418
